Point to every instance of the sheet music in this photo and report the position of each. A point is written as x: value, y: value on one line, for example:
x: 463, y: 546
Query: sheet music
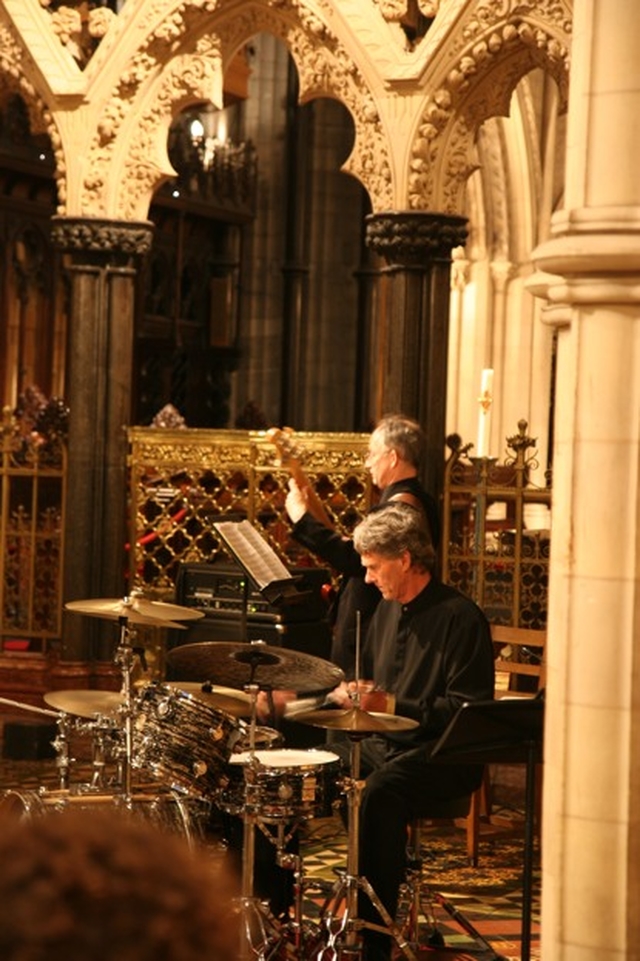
x: 256, y: 556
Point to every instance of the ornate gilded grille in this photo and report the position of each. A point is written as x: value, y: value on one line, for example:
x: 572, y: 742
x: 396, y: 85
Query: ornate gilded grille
x: 492, y: 553
x: 33, y: 478
x: 183, y: 480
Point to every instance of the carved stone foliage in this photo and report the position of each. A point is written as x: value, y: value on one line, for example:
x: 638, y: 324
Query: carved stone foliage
x: 101, y: 236
x: 79, y: 25
x: 493, y: 50
x: 415, y: 238
x: 186, y: 49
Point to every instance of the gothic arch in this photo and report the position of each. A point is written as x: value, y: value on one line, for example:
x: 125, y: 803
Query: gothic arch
x: 16, y: 69
x: 492, y: 55
x: 180, y: 62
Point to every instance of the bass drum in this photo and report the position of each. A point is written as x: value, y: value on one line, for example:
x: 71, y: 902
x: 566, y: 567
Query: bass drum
x: 168, y: 811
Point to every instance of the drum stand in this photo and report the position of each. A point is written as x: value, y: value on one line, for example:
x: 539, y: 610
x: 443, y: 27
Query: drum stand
x: 260, y: 936
x: 125, y: 658
x: 343, y: 928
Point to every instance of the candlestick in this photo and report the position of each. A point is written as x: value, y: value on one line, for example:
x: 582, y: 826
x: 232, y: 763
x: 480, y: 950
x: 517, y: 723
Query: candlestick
x: 484, y: 414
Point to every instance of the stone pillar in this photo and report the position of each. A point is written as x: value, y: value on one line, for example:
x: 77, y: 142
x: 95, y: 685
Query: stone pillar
x: 591, y: 815
x: 101, y: 262
x: 414, y: 314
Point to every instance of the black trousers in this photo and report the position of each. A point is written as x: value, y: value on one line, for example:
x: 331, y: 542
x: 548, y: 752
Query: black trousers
x: 401, y: 785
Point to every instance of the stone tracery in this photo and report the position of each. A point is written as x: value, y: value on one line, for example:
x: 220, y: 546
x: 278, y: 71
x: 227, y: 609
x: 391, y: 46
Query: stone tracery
x: 181, y: 58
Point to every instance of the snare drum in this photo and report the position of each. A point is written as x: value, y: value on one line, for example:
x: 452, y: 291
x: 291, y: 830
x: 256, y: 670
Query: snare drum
x: 167, y: 811
x: 284, y: 783
x: 181, y: 740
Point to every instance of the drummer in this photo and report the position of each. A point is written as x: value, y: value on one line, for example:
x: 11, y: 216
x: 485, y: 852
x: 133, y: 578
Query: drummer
x: 428, y: 650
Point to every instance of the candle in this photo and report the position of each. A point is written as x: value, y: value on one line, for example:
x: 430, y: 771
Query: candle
x: 484, y: 414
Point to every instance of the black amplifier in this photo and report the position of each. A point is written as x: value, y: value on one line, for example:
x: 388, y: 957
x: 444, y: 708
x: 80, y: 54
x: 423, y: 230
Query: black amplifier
x: 235, y: 610
x: 226, y: 589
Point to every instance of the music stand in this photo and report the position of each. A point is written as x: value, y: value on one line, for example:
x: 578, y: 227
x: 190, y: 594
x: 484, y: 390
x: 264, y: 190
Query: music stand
x: 260, y: 563
x: 506, y: 731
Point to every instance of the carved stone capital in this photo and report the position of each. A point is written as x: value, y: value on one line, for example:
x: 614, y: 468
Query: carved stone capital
x: 108, y: 237
x: 415, y: 238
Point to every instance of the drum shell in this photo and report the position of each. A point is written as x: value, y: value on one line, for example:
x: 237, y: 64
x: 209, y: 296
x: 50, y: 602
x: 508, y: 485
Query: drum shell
x: 286, y: 784
x: 181, y: 740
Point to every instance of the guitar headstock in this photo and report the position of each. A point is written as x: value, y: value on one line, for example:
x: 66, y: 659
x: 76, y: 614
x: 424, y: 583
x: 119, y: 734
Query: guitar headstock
x: 283, y: 440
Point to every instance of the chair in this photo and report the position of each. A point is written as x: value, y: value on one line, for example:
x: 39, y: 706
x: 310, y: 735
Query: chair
x: 520, y: 672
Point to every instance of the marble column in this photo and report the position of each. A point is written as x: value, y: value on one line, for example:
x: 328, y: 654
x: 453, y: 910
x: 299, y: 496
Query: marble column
x: 414, y: 314
x: 591, y: 814
x: 101, y: 260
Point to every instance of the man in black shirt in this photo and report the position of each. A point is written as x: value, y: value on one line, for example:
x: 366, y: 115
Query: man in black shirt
x: 428, y: 650
x: 395, y: 451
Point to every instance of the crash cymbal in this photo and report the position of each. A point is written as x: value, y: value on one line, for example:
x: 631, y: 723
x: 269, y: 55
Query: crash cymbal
x: 356, y: 720
x: 238, y: 664
x: 136, y: 610
x: 226, y: 699
x: 84, y: 703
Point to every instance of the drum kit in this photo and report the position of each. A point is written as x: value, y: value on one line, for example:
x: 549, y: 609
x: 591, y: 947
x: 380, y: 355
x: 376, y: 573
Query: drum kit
x: 198, y: 743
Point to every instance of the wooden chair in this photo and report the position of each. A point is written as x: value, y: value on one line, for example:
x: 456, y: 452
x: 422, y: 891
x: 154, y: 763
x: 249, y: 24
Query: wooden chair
x: 520, y: 672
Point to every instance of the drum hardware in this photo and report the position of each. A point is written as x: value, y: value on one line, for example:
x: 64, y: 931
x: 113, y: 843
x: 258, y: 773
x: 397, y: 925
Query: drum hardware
x: 128, y: 611
x: 61, y: 742
x: 342, y: 928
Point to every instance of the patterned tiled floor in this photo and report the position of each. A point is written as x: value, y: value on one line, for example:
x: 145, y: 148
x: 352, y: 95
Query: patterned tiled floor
x: 488, y: 897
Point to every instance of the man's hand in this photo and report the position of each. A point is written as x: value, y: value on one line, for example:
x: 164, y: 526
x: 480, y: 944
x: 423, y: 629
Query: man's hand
x: 272, y: 703
x: 370, y: 698
x: 295, y: 502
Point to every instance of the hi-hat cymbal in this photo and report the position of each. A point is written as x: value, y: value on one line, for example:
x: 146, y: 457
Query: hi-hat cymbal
x: 356, y: 720
x: 137, y: 610
x: 239, y: 664
x: 226, y: 699
x: 84, y: 703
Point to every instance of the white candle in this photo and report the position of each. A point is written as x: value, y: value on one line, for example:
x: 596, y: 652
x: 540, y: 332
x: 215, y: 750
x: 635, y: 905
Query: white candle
x: 484, y: 414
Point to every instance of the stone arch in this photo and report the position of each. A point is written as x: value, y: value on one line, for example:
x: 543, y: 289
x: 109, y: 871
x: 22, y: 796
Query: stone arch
x: 477, y: 83
x: 15, y: 70
x: 181, y: 62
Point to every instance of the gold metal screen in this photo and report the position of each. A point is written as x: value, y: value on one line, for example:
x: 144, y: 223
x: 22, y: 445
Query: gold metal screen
x: 496, y: 557
x: 182, y: 481
x: 33, y: 477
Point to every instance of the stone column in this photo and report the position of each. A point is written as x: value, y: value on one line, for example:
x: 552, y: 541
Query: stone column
x: 591, y: 818
x: 414, y: 312
x: 101, y: 262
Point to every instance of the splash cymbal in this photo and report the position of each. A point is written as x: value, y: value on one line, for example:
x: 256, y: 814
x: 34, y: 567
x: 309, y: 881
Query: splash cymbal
x: 356, y: 720
x: 136, y: 610
x: 239, y: 664
x: 84, y: 703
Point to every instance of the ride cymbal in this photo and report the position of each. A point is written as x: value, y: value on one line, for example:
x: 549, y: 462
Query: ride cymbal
x: 356, y: 720
x: 239, y: 664
x: 84, y: 703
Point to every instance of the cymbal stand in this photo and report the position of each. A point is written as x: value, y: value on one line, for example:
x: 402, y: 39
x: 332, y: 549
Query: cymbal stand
x: 125, y: 658
x: 343, y: 929
x: 260, y: 936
